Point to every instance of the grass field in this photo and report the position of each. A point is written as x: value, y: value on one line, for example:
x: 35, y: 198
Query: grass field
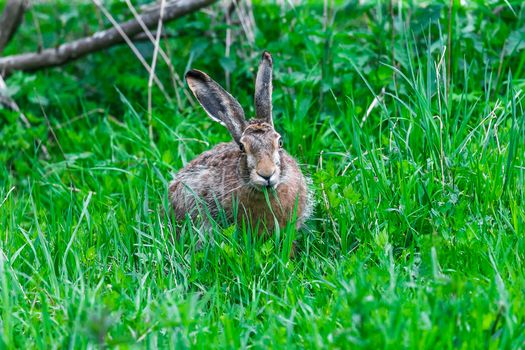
x: 408, y: 116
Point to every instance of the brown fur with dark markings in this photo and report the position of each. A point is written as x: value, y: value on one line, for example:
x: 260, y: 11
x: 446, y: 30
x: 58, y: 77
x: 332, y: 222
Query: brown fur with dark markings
x: 237, y: 172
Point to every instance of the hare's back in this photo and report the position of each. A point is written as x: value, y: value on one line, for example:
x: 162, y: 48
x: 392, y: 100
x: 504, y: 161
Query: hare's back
x: 217, y: 158
x: 205, y: 177
x: 210, y: 166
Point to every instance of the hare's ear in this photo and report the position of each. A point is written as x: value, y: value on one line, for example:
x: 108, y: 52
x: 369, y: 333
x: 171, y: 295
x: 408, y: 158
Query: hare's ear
x: 218, y: 104
x: 263, y: 89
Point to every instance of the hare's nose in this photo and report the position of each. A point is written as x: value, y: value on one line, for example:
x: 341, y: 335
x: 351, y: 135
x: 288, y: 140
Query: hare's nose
x: 266, y: 175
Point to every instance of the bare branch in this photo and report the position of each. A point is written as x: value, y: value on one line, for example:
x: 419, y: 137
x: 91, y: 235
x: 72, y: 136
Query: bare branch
x: 10, y: 20
x: 100, y: 40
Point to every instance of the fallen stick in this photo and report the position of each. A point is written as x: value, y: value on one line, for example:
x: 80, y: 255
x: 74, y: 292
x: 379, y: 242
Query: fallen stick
x: 99, y: 41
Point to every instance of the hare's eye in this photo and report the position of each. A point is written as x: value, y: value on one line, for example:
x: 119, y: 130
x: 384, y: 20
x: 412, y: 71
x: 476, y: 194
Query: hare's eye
x: 241, y: 147
x: 280, y: 143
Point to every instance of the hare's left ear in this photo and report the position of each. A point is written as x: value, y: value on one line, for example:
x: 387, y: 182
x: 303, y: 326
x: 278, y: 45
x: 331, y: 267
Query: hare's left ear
x: 263, y: 89
x: 218, y: 104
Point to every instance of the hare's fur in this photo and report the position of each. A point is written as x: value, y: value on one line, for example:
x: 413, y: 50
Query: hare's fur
x: 213, y: 181
x: 250, y: 178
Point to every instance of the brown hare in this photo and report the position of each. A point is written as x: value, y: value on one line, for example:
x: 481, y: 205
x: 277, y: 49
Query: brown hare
x: 252, y: 177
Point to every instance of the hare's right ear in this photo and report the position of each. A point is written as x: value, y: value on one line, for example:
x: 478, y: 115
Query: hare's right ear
x: 218, y: 104
x: 263, y: 89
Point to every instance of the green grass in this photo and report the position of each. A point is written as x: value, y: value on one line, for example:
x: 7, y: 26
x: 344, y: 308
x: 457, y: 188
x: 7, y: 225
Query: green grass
x: 417, y: 240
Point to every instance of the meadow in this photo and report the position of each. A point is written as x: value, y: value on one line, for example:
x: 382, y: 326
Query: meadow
x: 408, y: 116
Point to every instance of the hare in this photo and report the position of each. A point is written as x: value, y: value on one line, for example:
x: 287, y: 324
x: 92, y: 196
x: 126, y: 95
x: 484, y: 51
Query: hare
x: 252, y: 177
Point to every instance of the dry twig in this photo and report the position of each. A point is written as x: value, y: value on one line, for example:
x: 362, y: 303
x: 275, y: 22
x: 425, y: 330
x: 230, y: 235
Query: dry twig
x: 99, y: 41
x: 153, y: 65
